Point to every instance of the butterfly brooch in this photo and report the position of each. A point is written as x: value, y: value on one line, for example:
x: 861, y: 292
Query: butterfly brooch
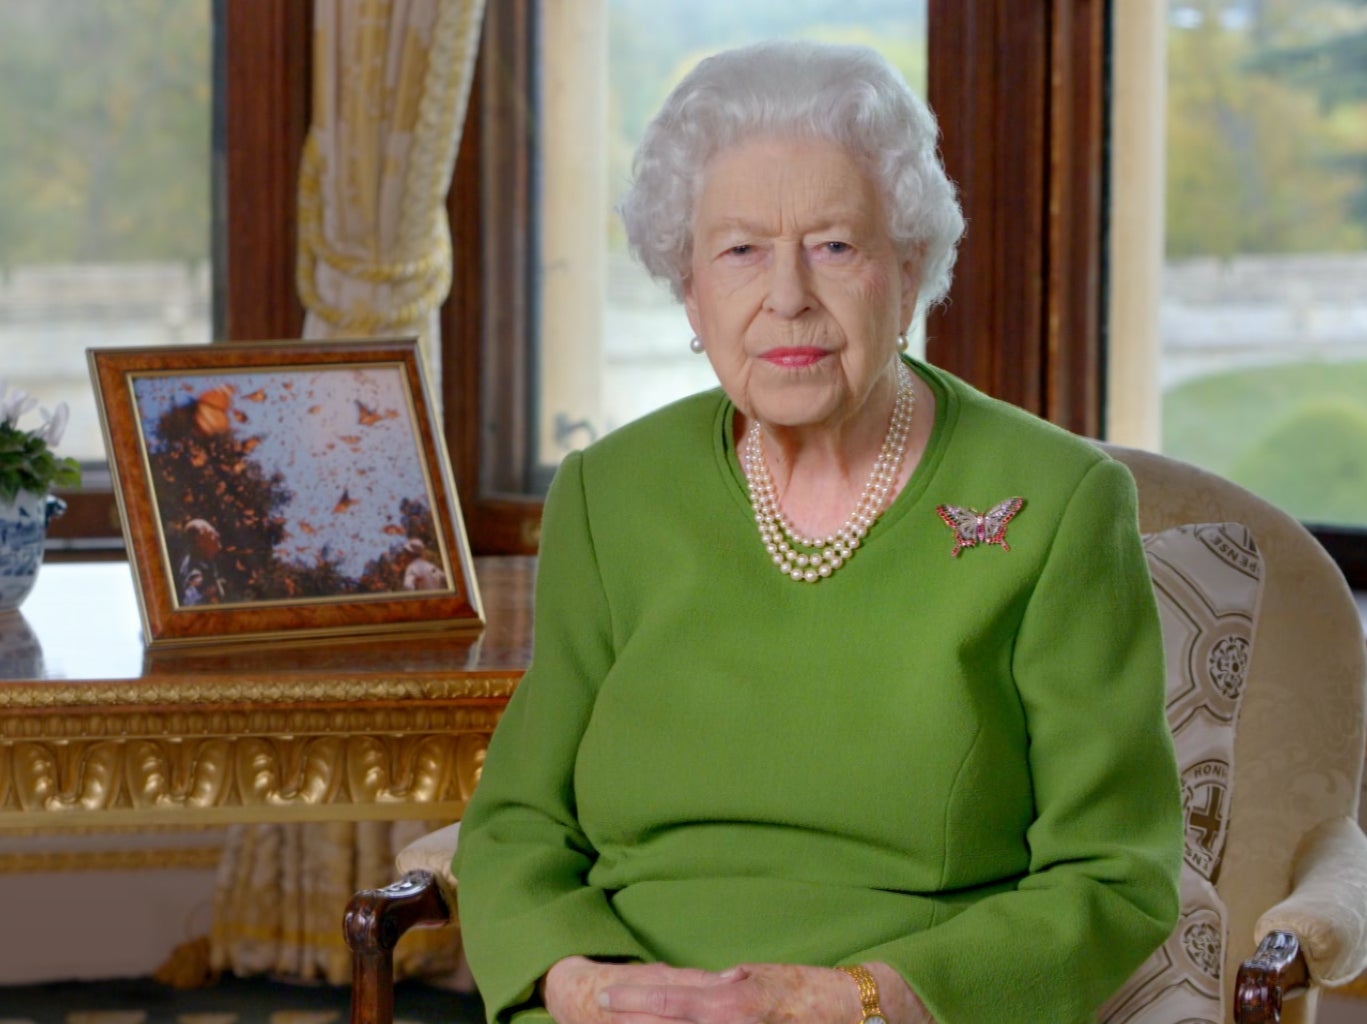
x: 972, y: 527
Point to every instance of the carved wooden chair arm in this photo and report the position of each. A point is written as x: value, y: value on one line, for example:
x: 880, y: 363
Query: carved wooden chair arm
x: 1276, y: 972
x: 375, y: 921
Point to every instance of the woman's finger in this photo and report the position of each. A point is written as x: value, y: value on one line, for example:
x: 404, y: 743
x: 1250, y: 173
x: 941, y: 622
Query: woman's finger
x: 664, y: 974
x: 663, y: 1002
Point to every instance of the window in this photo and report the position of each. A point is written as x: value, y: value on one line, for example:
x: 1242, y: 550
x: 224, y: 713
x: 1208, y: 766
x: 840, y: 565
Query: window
x: 1016, y: 84
x: 1240, y: 329
x: 1024, y: 98
x: 606, y: 343
x: 1018, y: 88
x: 611, y: 343
x: 1264, y: 294
x: 105, y: 214
x: 245, y: 71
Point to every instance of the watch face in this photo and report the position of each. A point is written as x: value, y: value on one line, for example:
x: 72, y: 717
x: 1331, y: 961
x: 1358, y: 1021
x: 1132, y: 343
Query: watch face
x: 873, y: 1018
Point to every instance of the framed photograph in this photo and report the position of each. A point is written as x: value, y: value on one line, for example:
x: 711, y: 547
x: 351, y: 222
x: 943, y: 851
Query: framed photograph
x: 283, y: 490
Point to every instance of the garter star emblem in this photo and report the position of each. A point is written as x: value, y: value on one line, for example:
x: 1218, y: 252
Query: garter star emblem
x: 972, y: 527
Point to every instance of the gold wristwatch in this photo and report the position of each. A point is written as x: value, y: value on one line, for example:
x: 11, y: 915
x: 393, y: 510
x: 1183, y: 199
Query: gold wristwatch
x: 868, y: 994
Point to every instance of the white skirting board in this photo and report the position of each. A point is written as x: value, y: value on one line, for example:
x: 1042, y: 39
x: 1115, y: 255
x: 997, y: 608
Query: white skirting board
x: 98, y: 906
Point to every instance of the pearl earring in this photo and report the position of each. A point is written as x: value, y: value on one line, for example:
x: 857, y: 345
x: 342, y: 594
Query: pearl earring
x: 696, y: 345
x: 902, y: 342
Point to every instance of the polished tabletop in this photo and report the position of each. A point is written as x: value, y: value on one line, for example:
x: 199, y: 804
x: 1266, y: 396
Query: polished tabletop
x: 95, y: 728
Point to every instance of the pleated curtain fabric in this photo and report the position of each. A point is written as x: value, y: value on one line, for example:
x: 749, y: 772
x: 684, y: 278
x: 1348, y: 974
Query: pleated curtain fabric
x: 281, y: 890
x: 391, y: 81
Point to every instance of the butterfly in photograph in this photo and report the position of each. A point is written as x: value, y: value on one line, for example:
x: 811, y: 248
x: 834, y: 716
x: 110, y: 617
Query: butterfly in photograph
x: 972, y: 527
x: 368, y: 417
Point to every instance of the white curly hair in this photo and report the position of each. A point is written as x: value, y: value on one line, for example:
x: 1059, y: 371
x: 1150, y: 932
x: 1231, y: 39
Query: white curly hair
x: 849, y: 95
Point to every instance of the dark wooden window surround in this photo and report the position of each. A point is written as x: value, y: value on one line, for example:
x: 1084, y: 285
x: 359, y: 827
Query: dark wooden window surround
x: 1020, y: 88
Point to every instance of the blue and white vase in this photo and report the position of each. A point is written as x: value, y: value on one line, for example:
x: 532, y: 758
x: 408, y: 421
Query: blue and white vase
x: 23, y: 527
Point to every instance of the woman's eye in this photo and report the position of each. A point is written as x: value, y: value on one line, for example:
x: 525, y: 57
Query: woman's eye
x: 740, y: 250
x: 837, y: 248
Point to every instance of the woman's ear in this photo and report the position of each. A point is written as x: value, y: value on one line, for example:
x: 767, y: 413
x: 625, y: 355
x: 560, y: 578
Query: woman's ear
x: 690, y: 301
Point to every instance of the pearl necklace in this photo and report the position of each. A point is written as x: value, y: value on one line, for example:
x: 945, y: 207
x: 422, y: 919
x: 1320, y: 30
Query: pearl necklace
x: 828, y: 553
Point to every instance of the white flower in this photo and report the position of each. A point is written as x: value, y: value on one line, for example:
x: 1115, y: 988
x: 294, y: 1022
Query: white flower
x: 27, y: 462
x: 54, y: 424
x: 19, y: 403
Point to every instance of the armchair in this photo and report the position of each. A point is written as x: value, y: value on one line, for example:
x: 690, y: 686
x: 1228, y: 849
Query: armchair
x: 1294, y: 875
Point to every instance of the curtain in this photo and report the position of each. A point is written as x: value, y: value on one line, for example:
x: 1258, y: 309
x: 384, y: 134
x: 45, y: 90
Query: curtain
x: 281, y: 890
x: 390, y: 83
x: 391, y: 80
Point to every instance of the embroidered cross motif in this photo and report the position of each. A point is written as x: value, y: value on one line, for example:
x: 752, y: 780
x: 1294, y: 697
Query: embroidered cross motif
x: 1206, y: 820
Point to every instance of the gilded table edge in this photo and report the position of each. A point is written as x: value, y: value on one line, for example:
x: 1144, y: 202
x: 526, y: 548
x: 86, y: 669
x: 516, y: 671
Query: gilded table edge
x: 261, y: 689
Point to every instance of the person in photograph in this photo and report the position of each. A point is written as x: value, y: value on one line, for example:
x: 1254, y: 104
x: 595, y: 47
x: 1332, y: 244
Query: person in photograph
x: 193, y: 588
x: 422, y: 573
x: 200, y: 582
x: 846, y: 700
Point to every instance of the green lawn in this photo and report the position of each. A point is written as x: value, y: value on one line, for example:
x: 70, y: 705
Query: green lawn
x: 1295, y: 434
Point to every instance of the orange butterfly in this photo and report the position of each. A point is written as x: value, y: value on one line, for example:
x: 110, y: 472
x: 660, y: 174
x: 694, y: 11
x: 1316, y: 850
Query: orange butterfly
x: 211, y: 410
x: 368, y: 417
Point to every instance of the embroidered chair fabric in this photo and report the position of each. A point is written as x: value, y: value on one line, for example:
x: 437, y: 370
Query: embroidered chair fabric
x: 1295, y: 861
x: 1293, y: 879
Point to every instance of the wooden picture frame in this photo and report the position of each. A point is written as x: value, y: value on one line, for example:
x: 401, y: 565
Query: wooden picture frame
x: 283, y: 491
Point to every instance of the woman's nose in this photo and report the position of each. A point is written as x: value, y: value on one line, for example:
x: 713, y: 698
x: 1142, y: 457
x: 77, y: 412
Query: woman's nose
x: 789, y: 288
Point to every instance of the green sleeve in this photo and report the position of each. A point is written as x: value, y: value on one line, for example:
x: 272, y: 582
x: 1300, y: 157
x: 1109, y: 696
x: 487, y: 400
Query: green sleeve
x: 1105, y: 844
x: 522, y: 858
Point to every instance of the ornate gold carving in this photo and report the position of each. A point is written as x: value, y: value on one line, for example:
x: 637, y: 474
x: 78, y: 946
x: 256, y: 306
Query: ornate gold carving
x: 264, y: 690
x: 110, y: 860
x: 263, y: 773
x: 236, y: 722
x: 194, y: 777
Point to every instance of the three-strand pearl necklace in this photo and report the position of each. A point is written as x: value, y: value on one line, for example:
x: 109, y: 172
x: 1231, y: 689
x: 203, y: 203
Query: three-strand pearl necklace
x: 827, y: 554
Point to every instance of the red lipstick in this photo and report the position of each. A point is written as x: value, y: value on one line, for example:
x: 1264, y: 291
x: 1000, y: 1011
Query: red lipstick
x: 795, y: 357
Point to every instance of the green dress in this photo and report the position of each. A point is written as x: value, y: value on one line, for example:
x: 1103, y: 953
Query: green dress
x: 958, y: 766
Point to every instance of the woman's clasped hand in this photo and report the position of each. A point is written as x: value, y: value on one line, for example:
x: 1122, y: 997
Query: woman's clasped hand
x: 578, y: 990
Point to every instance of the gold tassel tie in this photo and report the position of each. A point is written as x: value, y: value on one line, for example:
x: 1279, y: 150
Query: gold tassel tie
x: 430, y: 274
x: 188, y: 966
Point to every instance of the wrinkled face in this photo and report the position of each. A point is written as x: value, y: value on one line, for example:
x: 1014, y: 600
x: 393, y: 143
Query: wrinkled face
x: 794, y: 286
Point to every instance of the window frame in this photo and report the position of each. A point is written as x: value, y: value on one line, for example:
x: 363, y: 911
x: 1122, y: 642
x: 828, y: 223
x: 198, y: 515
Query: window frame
x: 1020, y: 91
x: 1022, y: 94
x: 486, y: 387
x: 1028, y: 76
x: 261, y: 120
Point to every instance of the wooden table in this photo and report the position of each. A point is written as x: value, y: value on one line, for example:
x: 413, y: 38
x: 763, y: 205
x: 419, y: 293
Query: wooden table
x: 96, y: 730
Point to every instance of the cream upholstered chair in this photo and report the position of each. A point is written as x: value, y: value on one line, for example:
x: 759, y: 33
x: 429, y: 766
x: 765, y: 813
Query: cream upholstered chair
x: 1294, y: 877
x: 1293, y: 880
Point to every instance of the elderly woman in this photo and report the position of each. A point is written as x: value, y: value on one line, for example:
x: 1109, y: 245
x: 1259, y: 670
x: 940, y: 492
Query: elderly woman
x: 847, y: 693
